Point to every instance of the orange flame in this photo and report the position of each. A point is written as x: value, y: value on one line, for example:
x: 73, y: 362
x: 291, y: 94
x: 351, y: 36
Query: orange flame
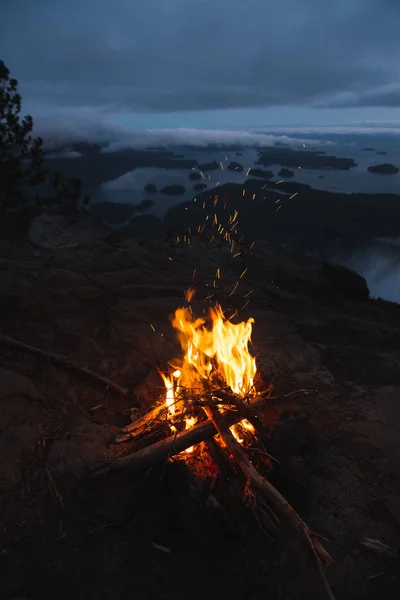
x: 214, y: 356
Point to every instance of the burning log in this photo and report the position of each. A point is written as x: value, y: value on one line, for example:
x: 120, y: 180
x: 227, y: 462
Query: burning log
x: 161, y: 451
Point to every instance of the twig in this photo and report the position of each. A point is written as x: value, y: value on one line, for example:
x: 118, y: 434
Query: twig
x: 58, y: 359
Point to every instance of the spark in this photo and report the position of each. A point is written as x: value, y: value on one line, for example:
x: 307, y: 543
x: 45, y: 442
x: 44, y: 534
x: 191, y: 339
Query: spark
x: 253, y: 196
x: 222, y: 166
x: 248, y: 293
x: 280, y: 206
x: 243, y: 193
x: 246, y: 304
x: 293, y: 195
x: 244, y: 272
x: 218, y: 273
x: 234, y: 289
x: 237, y: 254
x: 248, y: 171
x: 281, y: 181
x: 251, y: 245
x: 194, y: 273
x: 152, y: 326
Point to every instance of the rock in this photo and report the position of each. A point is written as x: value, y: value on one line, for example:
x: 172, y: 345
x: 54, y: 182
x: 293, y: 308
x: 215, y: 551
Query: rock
x: 286, y: 173
x: 384, y: 169
x: 194, y: 176
x: 150, y: 188
x: 346, y: 281
x: 14, y: 384
x: 235, y: 166
x: 173, y: 190
x: 263, y: 173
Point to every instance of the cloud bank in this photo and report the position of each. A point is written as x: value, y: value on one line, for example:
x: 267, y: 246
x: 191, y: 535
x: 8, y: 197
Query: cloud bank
x: 179, y: 55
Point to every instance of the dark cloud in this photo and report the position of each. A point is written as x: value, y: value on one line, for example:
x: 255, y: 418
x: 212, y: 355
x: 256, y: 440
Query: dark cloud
x: 180, y: 55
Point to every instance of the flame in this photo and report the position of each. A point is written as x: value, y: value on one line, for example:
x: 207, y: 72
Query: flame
x: 215, y: 356
x: 223, y: 348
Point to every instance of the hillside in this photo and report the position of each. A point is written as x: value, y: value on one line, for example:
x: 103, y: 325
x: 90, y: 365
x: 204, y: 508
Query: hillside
x: 106, y: 303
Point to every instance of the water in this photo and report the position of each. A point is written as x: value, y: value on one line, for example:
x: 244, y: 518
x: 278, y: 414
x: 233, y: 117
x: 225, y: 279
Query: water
x: 379, y: 263
x: 130, y: 187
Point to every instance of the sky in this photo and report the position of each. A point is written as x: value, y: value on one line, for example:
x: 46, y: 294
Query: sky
x: 206, y: 64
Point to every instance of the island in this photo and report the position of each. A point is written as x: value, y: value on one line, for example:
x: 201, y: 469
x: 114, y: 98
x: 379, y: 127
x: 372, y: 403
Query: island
x: 305, y: 159
x: 210, y: 166
x: 173, y: 190
x: 285, y: 173
x: 150, y: 188
x: 384, y: 169
x: 263, y: 173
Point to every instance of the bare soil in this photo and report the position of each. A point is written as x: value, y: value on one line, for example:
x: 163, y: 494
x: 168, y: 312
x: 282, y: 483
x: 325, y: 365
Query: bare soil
x: 106, y: 305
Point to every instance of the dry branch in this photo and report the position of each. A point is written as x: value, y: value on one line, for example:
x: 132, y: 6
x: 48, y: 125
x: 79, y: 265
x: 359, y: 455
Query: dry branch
x: 58, y: 359
x: 280, y: 505
x: 157, y: 416
x: 161, y: 451
x: 277, y: 501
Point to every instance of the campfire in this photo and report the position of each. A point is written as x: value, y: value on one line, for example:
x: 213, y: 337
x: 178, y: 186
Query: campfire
x: 209, y: 415
x: 216, y: 364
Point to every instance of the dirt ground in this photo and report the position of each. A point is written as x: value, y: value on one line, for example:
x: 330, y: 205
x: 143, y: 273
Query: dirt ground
x: 106, y: 304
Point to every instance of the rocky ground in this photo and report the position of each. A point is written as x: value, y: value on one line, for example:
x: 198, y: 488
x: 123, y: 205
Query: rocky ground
x: 104, y: 300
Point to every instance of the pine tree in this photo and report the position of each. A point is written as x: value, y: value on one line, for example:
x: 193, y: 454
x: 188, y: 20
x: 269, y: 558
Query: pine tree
x: 21, y: 154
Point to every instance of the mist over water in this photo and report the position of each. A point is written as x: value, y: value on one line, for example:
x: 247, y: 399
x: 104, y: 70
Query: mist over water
x: 380, y: 265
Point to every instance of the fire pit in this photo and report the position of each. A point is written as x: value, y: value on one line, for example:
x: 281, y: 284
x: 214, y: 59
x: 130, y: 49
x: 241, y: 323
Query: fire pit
x: 208, y: 415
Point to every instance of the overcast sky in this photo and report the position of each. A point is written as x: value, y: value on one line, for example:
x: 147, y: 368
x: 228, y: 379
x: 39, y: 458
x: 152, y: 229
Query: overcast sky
x: 206, y: 63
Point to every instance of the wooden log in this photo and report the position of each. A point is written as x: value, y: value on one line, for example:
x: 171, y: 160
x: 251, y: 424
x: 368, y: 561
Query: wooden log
x: 280, y: 505
x: 155, y: 417
x: 152, y: 420
x: 161, y: 451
